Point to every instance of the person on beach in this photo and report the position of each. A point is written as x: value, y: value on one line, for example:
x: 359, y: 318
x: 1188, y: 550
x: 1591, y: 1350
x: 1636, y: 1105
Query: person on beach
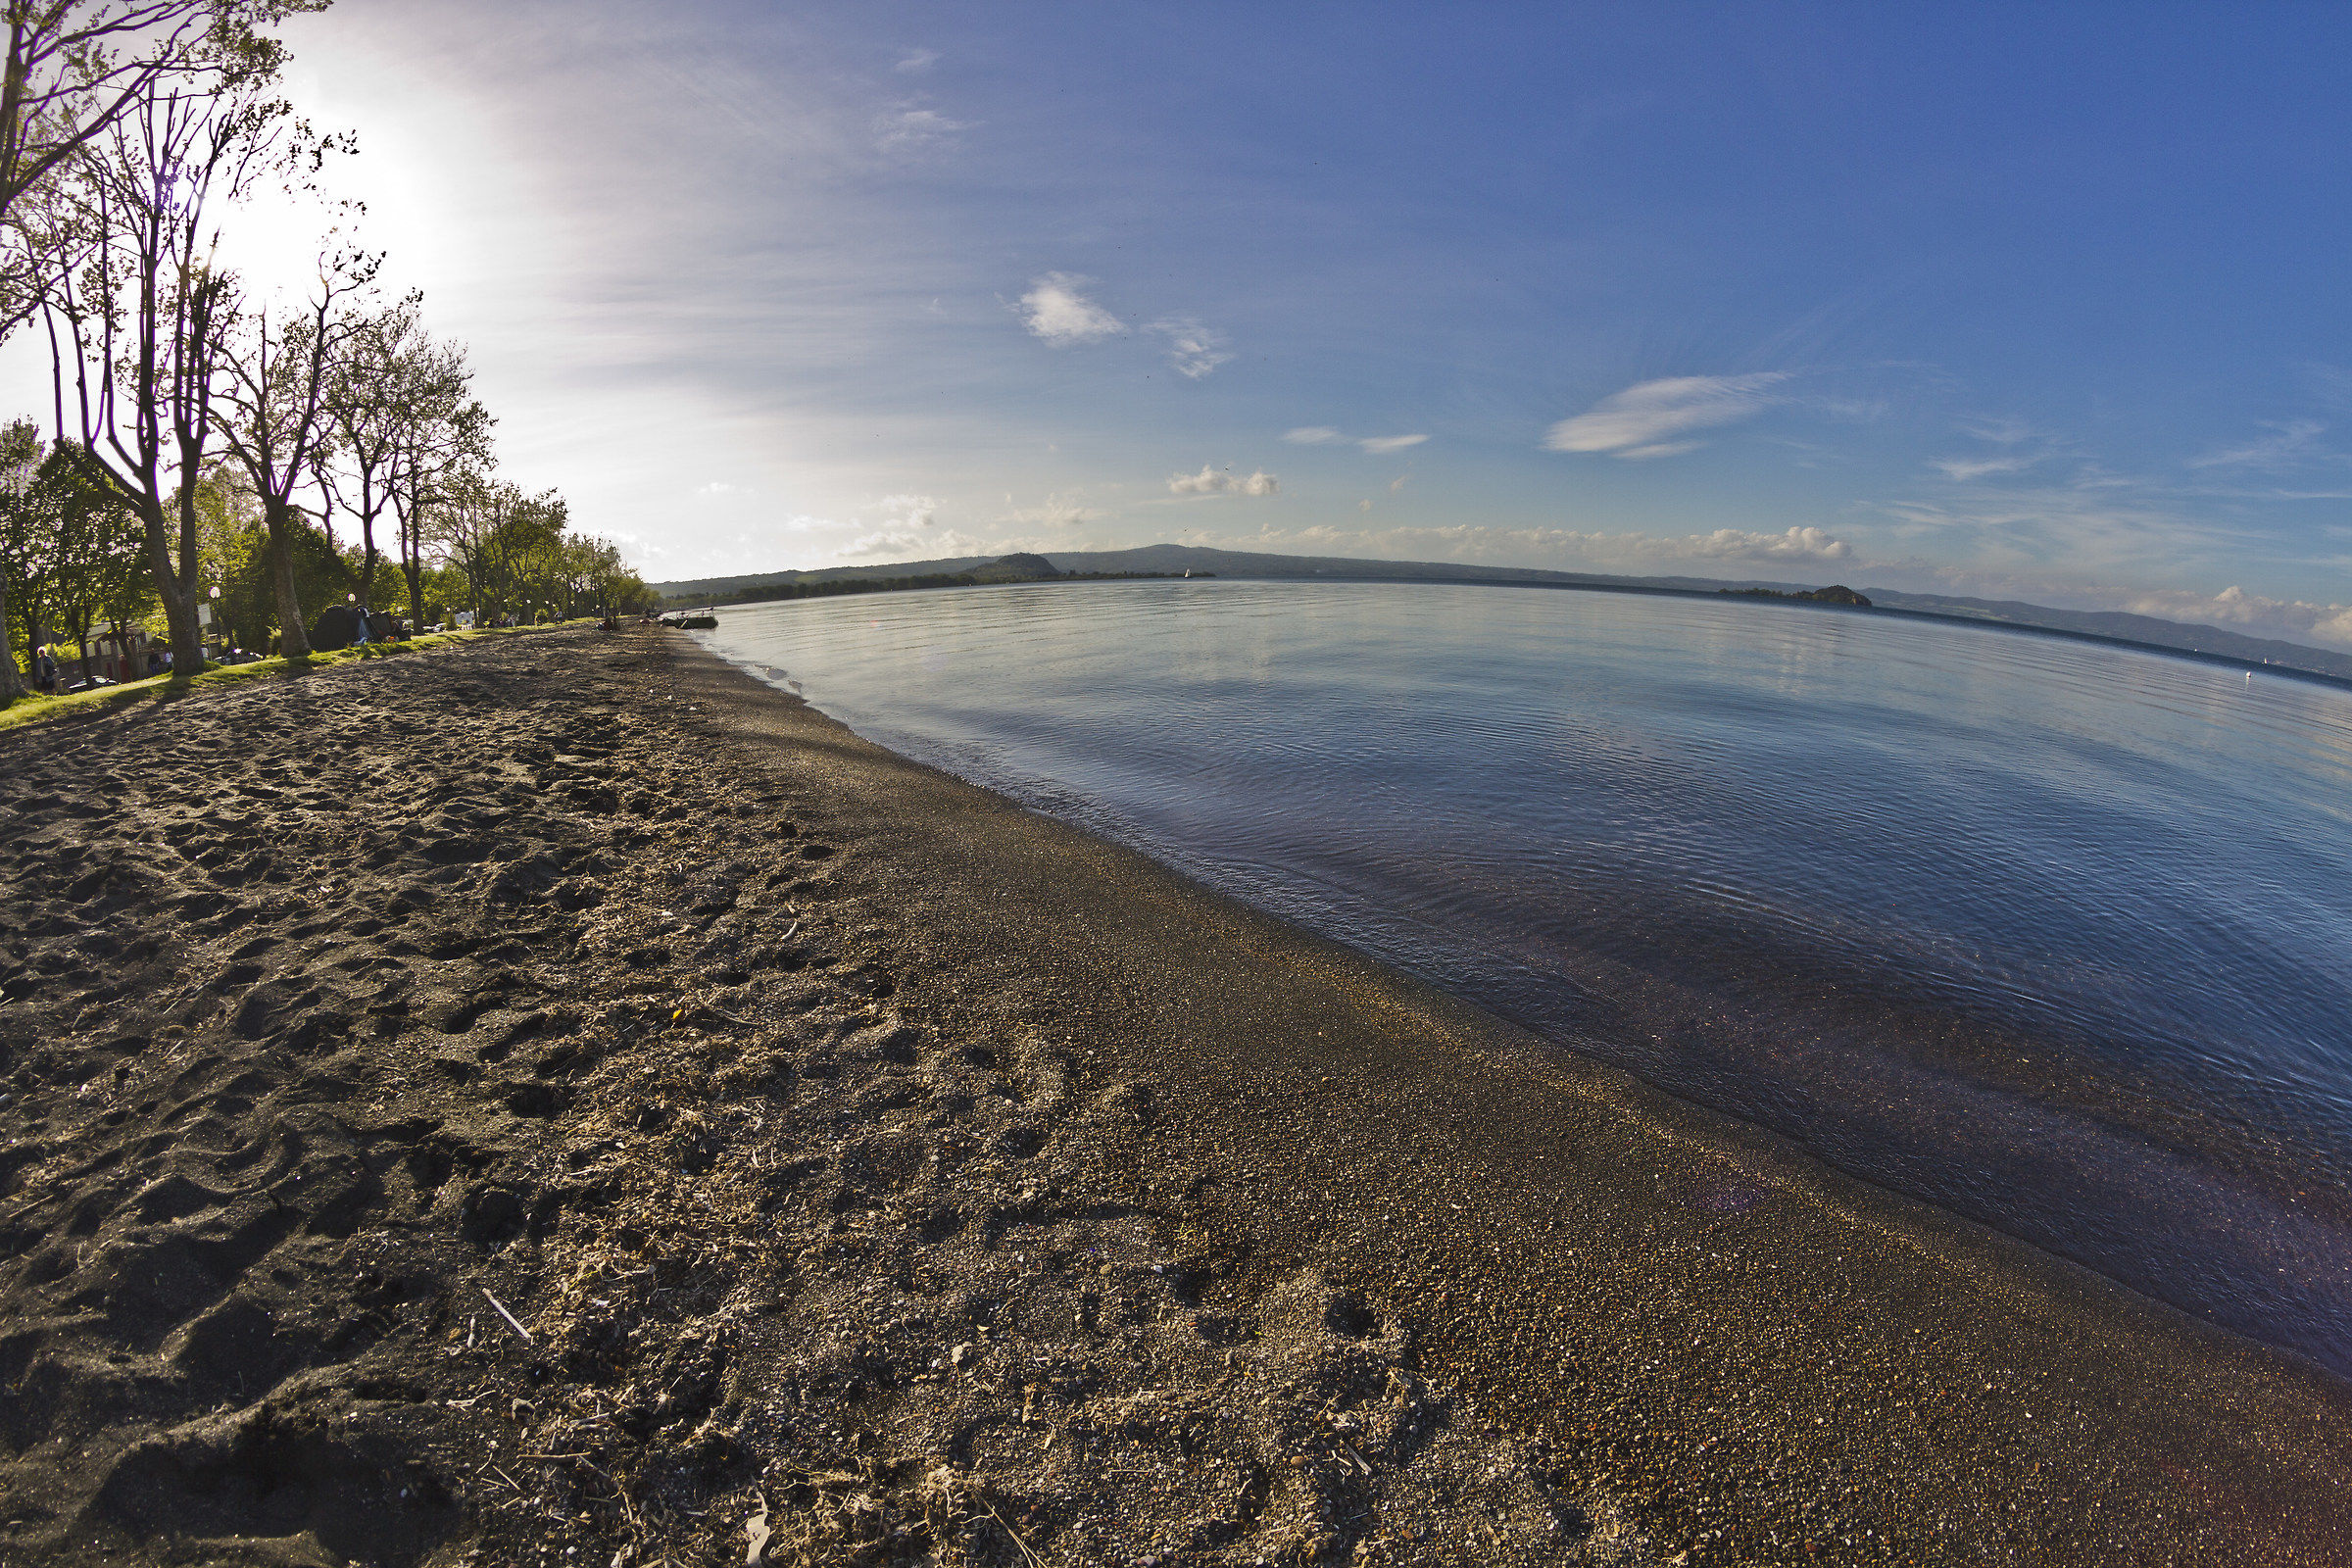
x: 44, y: 671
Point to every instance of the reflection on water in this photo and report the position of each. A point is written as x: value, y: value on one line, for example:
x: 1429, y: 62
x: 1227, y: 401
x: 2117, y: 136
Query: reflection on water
x: 2051, y: 933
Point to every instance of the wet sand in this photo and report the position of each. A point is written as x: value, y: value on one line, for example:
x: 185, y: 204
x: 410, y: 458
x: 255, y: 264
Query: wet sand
x: 602, y: 1111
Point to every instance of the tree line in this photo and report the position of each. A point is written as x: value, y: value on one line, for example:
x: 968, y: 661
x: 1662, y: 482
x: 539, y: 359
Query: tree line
x: 212, y: 454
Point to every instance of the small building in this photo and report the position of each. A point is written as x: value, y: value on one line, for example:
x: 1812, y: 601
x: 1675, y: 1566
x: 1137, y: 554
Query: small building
x: 115, y: 661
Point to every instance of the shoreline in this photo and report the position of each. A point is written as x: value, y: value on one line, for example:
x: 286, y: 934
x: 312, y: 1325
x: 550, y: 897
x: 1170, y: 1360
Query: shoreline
x: 869, y: 1167
x: 1545, y: 1117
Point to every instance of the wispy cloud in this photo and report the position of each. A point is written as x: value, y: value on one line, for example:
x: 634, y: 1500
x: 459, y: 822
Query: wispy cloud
x: 1056, y: 311
x: 909, y: 130
x: 1323, y: 436
x: 1637, y: 421
x: 917, y: 62
x: 2002, y: 429
x: 2286, y: 444
x: 1194, y: 350
x: 1961, y: 470
x: 1211, y: 481
x: 1658, y: 449
x: 1055, y: 512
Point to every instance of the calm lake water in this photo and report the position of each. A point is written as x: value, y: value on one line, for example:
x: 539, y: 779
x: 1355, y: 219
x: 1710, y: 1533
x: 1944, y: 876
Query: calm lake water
x: 2056, y: 935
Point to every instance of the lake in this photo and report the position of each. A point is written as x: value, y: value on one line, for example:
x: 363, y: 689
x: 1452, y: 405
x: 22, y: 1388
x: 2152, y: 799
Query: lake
x: 2053, y: 934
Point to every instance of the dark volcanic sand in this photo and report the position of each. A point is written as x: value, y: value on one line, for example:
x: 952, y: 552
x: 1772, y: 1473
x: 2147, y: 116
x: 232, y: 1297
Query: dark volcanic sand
x: 887, y: 1174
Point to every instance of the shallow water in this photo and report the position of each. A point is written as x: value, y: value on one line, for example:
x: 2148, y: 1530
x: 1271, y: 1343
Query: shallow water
x: 2053, y: 934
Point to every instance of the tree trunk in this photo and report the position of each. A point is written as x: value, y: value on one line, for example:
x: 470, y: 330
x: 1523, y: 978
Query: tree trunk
x: 175, y: 587
x: 12, y: 680
x: 367, y: 574
x: 187, y: 632
x: 294, y: 641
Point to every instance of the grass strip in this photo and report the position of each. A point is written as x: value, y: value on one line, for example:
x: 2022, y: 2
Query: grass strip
x: 159, y: 689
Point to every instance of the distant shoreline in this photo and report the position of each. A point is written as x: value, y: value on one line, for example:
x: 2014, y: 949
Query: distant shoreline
x: 1712, y: 595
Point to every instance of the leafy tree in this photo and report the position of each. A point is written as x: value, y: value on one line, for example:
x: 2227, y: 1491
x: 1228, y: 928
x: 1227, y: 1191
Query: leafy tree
x: 98, y: 572
x: 398, y: 405
x: 26, y: 545
x: 235, y: 550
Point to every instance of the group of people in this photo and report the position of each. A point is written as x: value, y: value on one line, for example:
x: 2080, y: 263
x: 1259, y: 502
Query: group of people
x: 49, y: 678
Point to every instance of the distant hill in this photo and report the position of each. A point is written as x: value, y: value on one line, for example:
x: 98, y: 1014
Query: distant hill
x: 2114, y: 625
x: 2210, y: 642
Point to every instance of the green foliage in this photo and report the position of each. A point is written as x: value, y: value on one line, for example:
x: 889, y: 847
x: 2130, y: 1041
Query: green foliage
x: 98, y: 574
x: 27, y: 544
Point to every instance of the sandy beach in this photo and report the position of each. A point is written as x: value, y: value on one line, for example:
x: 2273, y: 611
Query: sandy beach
x: 555, y: 1100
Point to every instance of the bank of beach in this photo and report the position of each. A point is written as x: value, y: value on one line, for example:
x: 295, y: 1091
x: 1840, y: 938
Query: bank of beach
x: 558, y: 1100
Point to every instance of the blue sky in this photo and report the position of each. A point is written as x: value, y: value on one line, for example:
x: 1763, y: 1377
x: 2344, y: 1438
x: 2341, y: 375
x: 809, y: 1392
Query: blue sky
x: 2043, y: 301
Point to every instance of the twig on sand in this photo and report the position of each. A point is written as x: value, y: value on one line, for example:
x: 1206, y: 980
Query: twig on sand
x: 1028, y: 1556
x: 513, y: 1321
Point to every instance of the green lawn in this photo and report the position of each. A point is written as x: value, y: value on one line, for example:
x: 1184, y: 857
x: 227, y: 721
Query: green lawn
x: 38, y: 710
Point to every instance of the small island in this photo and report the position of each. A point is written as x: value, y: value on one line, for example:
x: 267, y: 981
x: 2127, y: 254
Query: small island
x: 1836, y: 592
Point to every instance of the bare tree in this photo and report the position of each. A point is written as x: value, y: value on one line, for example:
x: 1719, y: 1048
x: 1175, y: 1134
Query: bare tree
x: 282, y: 367
x: 74, y: 69
x: 137, y: 332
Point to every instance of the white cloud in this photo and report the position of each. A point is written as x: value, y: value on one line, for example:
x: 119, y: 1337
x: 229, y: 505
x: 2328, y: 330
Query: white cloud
x: 901, y: 542
x: 903, y: 130
x: 1381, y: 445
x: 1659, y: 449
x: 1314, y: 435
x: 1399, y: 482
x: 1223, y: 482
x: 2254, y: 614
x: 2286, y: 444
x: 908, y: 512
x: 1192, y: 349
x: 721, y: 487
x: 1793, y: 544
x: 1058, y: 313
x: 1635, y: 421
x: 918, y: 62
